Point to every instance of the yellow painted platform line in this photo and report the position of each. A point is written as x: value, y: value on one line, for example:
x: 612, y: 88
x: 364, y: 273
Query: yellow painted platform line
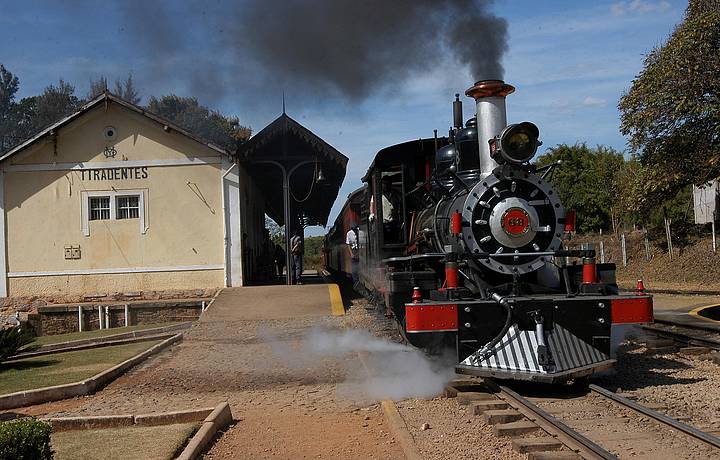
x: 336, y: 303
x: 696, y: 312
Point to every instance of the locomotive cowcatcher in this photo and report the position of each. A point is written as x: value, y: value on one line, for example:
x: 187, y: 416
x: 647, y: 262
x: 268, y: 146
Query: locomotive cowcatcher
x: 463, y: 241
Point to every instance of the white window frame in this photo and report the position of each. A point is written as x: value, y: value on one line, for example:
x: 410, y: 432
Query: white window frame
x: 113, y: 195
x: 109, y: 207
x: 128, y: 208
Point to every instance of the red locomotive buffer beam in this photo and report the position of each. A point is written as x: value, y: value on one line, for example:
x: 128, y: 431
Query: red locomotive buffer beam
x: 636, y: 309
x: 431, y: 318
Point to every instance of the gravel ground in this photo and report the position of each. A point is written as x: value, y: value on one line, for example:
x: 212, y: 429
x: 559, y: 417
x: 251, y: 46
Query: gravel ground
x: 684, y: 386
x: 453, y: 432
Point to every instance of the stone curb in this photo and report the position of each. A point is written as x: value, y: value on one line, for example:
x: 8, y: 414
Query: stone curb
x: 89, y: 346
x: 116, y: 421
x: 212, y: 301
x: 122, y: 335
x: 169, y: 418
x: 219, y: 419
x: 89, y: 386
x: 88, y: 423
x: 400, y: 430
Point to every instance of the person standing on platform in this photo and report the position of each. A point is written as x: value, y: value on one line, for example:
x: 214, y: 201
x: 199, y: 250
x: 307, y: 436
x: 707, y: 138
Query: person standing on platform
x: 297, y: 250
x: 353, y: 244
x: 279, y: 260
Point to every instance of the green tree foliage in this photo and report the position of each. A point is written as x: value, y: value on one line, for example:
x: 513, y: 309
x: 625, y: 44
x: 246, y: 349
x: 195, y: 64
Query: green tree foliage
x: 25, y: 439
x: 126, y: 90
x: 9, y: 85
x: 313, y: 248
x: 586, y: 181
x: 97, y: 87
x: 224, y: 131
x: 672, y: 111
x: 54, y: 103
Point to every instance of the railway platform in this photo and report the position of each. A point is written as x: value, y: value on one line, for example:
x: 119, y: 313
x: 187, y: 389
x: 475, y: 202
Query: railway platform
x: 687, y: 309
x: 275, y: 302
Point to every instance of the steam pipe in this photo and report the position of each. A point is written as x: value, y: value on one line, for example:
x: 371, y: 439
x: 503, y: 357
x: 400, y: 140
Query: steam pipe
x: 489, y: 98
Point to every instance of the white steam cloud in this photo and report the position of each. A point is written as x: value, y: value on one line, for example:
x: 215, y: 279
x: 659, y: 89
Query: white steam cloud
x: 374, y: 368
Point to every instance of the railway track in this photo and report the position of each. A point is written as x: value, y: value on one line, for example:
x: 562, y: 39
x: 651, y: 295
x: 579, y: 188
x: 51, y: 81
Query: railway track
x: 593, y: 424
x: 685, y: 334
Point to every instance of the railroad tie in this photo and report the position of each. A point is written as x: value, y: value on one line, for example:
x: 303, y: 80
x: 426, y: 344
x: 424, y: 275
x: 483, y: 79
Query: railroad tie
x: 526, y: 445
x: 514, y: 429
x: 495, y: 416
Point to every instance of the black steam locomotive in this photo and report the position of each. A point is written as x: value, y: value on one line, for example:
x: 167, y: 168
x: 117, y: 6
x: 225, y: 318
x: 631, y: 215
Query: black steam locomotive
x: 462, y: 240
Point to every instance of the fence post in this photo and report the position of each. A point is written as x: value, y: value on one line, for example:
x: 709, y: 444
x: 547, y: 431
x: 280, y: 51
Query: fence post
x: 713, y: 231
x: 647, y: 247
x: 602, y: 252
x: 80, y: 318
x: 624, y: 251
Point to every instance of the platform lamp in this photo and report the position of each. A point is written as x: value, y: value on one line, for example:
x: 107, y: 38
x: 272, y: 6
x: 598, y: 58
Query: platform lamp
x: 320, y: 177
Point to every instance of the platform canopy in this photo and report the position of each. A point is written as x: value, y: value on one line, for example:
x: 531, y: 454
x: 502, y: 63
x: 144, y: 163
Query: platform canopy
x: 314, y: 169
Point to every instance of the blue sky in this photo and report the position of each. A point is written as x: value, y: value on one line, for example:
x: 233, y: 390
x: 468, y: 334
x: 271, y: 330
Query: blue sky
x: 569, y: 60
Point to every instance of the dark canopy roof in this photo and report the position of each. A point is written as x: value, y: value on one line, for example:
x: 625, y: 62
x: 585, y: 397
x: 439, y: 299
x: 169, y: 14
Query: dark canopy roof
x: 287, y: 142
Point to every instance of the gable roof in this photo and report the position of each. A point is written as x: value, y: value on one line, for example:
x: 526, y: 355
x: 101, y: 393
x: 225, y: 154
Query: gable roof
x: 288, y: 143
x: 284, y: 124
x: 107, y: 98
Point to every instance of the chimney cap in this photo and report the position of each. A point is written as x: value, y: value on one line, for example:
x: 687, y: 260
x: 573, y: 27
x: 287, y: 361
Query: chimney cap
x: 489, y: 88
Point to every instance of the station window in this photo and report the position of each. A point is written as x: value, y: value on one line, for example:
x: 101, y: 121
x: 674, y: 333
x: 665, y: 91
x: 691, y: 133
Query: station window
x: 113, y: 205
x: 99, y: 208
x: 128, y: 207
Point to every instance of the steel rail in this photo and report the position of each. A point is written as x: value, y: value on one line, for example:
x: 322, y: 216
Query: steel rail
x: 571, y: 438
x: 680, y: 337
x: 678, y: 425
x: 697, y: 327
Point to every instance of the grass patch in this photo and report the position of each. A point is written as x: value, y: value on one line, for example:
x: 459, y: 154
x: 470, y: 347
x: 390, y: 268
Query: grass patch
x: 59, y: 338
x: 61, y: 368
x: 151, y: 443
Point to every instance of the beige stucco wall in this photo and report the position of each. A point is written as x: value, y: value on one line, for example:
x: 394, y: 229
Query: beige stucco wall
x: 183, y: 211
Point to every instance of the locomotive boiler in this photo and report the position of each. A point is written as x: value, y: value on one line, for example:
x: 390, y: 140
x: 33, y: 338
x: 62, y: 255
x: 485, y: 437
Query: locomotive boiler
x: 463, y: 241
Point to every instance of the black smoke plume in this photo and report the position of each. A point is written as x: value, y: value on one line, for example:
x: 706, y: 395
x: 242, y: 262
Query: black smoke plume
x: 352, y: 48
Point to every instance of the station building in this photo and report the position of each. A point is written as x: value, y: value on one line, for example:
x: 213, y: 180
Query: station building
x: 114, y: 198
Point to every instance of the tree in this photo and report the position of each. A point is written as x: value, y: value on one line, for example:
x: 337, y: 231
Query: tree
x: 672, y: 111
x: 9, y: 85
x: 126, y: 90
x: 224, y: 131
x: 55, y: 103
x: 97, y: 87
x: 586, y: 183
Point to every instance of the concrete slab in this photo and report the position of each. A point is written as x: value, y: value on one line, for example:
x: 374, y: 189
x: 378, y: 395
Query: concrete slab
x: 274, y: 302
x: 684, y: 309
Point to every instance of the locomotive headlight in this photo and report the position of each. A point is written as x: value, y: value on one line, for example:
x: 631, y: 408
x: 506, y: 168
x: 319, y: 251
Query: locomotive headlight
x: 517, y: 143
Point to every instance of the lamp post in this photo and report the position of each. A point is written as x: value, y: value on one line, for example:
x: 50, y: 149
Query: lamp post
x: 286, y: 207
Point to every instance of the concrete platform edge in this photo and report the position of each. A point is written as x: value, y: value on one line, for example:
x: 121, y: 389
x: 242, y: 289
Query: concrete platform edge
x: 219, y: 419
x: 336, y: 303
x: 400, y: 431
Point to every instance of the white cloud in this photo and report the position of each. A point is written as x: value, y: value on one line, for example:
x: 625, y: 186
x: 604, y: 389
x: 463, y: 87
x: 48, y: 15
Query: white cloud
x: 638, y: 6
x: 591, y: 101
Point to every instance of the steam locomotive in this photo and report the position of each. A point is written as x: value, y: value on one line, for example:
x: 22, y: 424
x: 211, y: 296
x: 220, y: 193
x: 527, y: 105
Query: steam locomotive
x: 463, y: 241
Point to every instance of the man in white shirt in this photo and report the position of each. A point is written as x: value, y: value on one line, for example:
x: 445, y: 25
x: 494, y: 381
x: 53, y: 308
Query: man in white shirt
x: 353, y: 244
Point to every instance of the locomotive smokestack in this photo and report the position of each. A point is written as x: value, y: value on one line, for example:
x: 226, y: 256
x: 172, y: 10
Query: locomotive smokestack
x: 457, y: 112
x: 489, y: 96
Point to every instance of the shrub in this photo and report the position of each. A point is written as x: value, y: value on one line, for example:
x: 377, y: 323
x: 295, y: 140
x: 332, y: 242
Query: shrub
x: 25, y: 439
x: 13, y: 339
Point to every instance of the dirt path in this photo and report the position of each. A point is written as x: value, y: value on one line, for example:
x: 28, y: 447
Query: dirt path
x: 283, y: 410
